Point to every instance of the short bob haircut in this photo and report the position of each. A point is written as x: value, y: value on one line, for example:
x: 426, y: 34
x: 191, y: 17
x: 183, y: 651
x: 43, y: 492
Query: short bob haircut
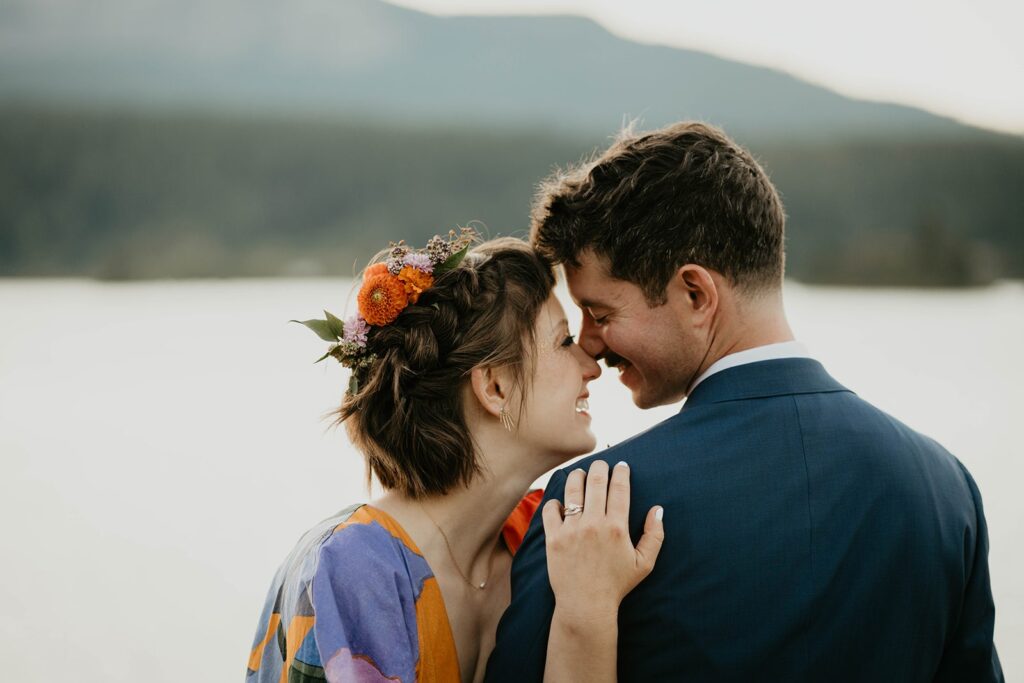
x: 407, y: 416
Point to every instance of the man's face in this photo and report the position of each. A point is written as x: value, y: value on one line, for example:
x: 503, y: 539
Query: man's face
x: 655, y: 350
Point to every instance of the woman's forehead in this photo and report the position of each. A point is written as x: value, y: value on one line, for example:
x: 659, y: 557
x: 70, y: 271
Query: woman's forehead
x: 552, y: 317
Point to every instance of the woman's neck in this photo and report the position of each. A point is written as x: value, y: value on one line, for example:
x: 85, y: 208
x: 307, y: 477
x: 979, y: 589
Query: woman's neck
x: 470, y: 517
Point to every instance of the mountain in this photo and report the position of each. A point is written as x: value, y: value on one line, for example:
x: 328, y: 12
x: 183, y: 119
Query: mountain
x: 375, y: 61
x: 177, y: 138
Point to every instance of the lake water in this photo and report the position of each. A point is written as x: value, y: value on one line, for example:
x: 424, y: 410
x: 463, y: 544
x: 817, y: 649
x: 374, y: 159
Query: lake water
x: 163, y: 446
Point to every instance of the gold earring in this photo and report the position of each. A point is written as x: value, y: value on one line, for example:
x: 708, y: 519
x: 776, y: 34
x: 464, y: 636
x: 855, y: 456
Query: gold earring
x: 506, y: 419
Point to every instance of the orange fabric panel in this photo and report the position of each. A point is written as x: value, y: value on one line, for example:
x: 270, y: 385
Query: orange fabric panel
x: 439, y: 661
x: 519, y: 521
x: 367, y: 514
x: 256, y: 656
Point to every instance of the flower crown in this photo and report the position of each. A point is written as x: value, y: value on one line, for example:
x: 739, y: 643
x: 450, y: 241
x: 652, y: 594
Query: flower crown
x: 388, y: 288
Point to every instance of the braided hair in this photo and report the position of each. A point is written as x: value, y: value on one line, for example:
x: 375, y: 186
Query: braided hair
x: 407, y: 415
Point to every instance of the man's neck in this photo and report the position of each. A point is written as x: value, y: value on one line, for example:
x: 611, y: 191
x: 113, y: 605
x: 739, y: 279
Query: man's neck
x: 750, y: 323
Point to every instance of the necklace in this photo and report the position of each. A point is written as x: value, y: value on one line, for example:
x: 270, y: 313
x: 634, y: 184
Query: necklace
x: 490, y: 561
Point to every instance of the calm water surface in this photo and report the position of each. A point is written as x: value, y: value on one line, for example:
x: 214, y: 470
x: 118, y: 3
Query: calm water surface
x: 163, y: 446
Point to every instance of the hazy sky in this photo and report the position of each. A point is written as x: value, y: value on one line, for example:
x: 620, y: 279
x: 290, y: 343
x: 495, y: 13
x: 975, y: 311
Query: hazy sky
x: 960, y: 58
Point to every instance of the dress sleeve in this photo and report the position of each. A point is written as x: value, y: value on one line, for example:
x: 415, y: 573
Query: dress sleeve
x: 522, y: 640
x: 365, y: 608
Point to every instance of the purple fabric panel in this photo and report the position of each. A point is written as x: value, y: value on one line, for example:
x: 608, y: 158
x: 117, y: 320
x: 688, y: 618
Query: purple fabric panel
x: 344, y: 666
x: 364, y: 597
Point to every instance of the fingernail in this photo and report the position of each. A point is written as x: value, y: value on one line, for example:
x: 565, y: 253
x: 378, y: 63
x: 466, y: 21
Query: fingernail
x: 659, y: 513
x: 622, y: 463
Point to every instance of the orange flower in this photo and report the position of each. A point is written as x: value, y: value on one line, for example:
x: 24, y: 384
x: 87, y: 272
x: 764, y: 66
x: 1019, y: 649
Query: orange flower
x: 375, y: 269
x: 381, y: 298
x: 415, y: 282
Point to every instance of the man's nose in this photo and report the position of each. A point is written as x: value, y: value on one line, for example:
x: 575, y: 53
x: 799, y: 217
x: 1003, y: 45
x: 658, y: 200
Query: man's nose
x: 590, y: 337
x: 588, y: 366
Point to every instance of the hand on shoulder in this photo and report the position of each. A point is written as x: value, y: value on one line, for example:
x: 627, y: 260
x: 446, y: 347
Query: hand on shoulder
x: 592, y: 563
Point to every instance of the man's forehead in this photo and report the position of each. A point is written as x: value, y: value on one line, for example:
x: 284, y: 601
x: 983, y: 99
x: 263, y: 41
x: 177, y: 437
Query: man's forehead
x: 591, y: 285
x: 591, y: 261
x: 589, y: 265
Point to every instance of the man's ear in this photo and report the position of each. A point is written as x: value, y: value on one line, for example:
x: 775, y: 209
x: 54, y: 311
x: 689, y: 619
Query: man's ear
x: 490, y: 387
x: 697, y: 286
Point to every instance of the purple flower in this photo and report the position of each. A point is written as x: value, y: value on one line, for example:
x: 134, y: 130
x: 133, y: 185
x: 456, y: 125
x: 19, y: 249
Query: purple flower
x: 438, y: 250
x: 355, y: 329
x: 419, y: 261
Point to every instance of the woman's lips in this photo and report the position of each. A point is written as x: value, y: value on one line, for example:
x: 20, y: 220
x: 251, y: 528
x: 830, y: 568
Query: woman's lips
x: 582, y: 406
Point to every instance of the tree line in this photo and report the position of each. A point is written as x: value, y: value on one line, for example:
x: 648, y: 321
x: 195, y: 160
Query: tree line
x: 125, y: 195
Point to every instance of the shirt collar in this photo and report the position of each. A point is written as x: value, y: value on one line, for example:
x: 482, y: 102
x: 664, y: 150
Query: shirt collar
x: 787, y: 349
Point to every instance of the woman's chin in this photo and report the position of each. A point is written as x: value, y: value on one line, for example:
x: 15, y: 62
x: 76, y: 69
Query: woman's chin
x: 588, y: 443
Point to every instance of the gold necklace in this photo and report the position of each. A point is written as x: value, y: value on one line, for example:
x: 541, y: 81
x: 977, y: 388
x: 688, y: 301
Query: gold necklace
x: 490, y: 561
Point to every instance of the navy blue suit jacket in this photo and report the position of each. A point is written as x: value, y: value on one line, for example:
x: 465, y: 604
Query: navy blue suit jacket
x: 808, y: 537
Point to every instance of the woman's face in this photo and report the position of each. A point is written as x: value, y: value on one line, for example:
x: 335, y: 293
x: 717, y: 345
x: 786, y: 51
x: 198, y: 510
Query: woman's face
x: 555, y: 418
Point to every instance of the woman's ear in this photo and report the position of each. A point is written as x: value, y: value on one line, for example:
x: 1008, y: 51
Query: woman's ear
x: 490, y: 388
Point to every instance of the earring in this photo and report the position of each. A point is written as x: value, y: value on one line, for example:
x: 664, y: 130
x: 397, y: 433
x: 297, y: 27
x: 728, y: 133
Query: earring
x: 506, y: 419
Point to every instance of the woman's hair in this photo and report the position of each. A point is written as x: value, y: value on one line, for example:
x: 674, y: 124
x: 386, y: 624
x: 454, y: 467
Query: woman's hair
x: 407, y: 414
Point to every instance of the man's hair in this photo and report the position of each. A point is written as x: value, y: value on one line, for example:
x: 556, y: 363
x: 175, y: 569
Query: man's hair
x: 407, y: 415
x: 656, y: 201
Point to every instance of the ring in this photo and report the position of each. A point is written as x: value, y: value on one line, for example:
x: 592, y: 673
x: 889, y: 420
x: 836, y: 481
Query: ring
x: 571, y: 510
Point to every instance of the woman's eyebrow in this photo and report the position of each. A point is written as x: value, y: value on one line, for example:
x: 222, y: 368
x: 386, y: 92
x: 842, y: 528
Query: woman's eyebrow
x: 561, y: 323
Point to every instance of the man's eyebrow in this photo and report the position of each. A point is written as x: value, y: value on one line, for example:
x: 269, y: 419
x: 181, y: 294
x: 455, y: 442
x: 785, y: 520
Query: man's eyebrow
x: 589, y: 303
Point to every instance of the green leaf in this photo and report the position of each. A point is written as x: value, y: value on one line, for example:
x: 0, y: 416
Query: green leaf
x: 337, y: 327
x: 321, y: 358
x: 320, y: 327
x: 452, y: 262
x: 353, y: 384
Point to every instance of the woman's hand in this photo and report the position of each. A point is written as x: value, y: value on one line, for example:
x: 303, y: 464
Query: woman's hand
x: 592, y: 563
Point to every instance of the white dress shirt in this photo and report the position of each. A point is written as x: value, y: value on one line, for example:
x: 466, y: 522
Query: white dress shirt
x: 789, y: 349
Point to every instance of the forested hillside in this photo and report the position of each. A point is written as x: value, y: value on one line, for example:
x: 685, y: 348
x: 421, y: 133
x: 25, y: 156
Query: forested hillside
x: 119, y: 195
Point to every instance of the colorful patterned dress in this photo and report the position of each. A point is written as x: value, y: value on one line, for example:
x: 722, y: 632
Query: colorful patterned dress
x: 356, y: 601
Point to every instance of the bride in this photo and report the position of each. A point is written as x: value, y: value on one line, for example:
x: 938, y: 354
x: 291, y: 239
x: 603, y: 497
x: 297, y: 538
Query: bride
x: 466, y: 386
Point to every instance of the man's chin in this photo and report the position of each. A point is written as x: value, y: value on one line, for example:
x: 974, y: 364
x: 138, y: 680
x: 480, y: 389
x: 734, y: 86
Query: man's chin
x: 644, y: 397
x: 641, y: 396
x: 643, y: 400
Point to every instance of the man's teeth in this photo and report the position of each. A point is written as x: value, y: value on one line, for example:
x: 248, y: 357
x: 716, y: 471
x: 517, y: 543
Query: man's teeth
x: 582, y: 405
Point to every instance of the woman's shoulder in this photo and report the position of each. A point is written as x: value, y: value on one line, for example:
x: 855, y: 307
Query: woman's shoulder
x: 300, y: 564
x: 367, y: 542
x: 361, y: 540
x: 353, y: 573
x: 288, y: 613
x: 373, y: 591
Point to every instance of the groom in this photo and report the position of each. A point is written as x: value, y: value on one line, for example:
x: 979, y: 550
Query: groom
x: 808, y: 535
